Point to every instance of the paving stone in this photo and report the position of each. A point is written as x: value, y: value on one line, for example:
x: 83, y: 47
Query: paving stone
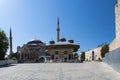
x: 59, y: 71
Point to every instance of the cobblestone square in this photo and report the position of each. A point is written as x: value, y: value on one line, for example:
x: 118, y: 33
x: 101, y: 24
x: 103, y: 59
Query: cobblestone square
x: 59, y: 71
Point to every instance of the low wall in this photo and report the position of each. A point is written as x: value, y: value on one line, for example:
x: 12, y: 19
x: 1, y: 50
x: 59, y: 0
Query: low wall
x: 6, y: 62
x: 112, y: 58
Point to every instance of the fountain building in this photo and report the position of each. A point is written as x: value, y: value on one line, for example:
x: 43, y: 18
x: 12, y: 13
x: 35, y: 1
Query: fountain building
x: 62, y: 50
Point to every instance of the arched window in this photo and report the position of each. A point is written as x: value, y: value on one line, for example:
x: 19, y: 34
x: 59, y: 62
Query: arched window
x: 69, y: 56
x: 56, y: 57
x: 56, y: 52
x: 52, y: 57
x: 65, y: 52
x: 93, y: 55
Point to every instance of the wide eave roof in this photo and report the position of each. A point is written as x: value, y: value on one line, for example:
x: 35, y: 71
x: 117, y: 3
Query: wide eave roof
x: 63, y: 45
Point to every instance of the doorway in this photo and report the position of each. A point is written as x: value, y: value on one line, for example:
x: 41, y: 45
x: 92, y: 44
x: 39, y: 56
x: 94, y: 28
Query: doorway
x: 93, y: 55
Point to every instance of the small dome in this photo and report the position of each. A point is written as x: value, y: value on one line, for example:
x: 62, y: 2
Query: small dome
x: 35, y: 41
x: 52, y: 42
x: 62, y: 39
x: 71, y: 40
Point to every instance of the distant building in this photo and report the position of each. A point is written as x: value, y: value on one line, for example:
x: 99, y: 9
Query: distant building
x: 62, y: 50
x: 93, y: 54
x: 33, y: 51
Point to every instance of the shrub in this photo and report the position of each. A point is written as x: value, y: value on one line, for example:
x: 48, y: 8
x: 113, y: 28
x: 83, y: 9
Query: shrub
x: 13, y: 58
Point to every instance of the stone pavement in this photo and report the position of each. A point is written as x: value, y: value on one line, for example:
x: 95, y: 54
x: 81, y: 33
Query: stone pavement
x: 59, y: 71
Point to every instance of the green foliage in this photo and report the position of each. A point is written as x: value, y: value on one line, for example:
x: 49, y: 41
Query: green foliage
x: 104, y: 50
x: 83, y: 56
x: 13, y: 58
x: 99, y: 59
x: 101, y: 45
x: 16, y: 55
x: 4, y: 43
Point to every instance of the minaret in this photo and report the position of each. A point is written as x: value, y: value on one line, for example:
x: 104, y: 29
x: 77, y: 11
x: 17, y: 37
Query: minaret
x: 58, y: 30
x: 11, y: 41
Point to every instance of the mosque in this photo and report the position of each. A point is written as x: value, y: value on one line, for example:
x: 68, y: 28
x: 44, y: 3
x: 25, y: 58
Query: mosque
x: 33, y: 51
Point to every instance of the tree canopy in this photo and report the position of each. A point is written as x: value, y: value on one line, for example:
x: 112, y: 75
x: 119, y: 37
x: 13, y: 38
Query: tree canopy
x: 104, y: 50
x: 83, y: 56
x: 15, y: 55
x: 4, y: 43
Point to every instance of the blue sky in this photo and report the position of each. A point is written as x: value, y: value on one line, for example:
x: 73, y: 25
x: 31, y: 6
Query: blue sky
x: 89, y: 22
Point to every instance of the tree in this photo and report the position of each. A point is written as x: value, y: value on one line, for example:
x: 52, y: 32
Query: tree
x: 16, y: 55
x: 83, y: 56
x: 104, y: 50
x: 13, y: 58
x: 3, y: 44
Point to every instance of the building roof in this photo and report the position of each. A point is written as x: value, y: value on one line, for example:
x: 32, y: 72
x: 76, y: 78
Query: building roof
x: 63, y: 45
x: 35, y: 41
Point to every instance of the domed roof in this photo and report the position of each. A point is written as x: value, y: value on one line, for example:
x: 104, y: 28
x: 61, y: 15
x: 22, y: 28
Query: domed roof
x: 35, y: 41
x: 52, y: 42
x: 63, y: 39
x: 71, y: 40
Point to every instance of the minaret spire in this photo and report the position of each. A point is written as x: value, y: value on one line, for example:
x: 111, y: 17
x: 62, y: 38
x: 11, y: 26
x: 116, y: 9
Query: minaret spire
x: 58, y: 30
x: 11, y: 41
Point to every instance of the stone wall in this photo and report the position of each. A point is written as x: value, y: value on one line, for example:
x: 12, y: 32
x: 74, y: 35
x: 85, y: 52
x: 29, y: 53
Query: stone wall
x: 112, y: 58
x: 6, y: 62
x: 112, y: 45
x: 116, y: 42
x: 97, y: 54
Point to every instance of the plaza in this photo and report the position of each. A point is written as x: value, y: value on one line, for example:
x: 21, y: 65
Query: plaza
x: 59, y: 71
x: 58, y: 58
